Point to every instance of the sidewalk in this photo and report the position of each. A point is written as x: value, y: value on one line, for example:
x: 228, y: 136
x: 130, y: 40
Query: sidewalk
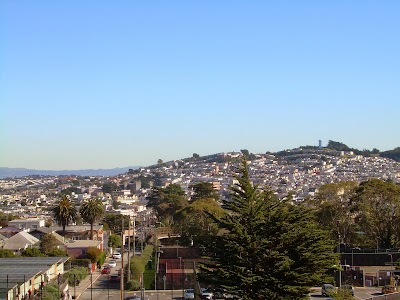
x: 84, y: 284
x: 91, y: 278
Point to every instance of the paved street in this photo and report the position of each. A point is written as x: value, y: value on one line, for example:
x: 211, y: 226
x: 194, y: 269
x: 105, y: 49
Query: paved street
x: 359, y: 293
x: 103, y: 289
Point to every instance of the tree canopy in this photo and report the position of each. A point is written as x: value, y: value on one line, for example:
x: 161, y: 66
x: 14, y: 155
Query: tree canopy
x: 91, y: 211
x: 64, y: 212
x: 204, y: 190
x: 109, y: 187
x: 378, y: 205
x: 48, y: 243
x: 266, y: 248
x: 334, y: 209
x: 194, y: 219
x: 114, y: 222
x: 167, y: 201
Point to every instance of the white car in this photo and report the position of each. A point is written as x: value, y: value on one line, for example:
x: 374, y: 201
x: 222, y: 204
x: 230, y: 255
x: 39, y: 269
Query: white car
x: 116, y: 255
x: 206, y: 294
x: 189, y: 294
x: 112, y: 264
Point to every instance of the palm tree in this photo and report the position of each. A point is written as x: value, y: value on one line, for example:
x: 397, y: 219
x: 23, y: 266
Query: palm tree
x: 91, y: 211
x: 64, y: 212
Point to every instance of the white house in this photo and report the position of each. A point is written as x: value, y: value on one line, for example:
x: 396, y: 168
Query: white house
x: 27, y: 224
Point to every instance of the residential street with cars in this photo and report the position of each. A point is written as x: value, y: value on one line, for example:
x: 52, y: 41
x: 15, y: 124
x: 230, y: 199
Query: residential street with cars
x: 102, y: 288
x: 360, y: 293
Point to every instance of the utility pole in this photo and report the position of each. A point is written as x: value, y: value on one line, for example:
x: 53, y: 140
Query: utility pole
x: 142, y: 232
x: 129, y: 250
x: 122, y: 262
x: 91, y: 283
x: 134, y: 235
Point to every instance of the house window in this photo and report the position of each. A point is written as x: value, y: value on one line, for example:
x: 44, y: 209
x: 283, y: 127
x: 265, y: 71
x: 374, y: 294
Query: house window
x: 76, y: 238
x: 84, y: 251
x: 34, y: 226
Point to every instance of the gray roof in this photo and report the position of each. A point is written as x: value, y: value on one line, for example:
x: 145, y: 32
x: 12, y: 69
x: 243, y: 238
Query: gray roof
x: 82, y: 244
x: 15, y: 270
x: 77, y: 228
x: 21, y: 240
x: 10, y: 229
x: 43, y: 229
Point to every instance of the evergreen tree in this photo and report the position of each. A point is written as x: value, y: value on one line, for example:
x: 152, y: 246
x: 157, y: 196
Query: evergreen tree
x: 204, y: 190
x: 267, y: 248
x: 47, y: 243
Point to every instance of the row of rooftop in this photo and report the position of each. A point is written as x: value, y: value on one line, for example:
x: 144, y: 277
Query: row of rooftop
x: 299, y: 172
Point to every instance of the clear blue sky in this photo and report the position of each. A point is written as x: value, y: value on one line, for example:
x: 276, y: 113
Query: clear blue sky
x: 102, y: 84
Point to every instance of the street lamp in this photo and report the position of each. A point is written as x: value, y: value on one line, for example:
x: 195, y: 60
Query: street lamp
x: 157, y: 269
x: 91, y: 284
x: 180, y: 266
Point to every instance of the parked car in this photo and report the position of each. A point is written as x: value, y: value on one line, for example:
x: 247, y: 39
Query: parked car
x: 135, y: 297
x: 106, y: 270
x: 189, y: 294
x: 347, y: 287
x: 327, y: 289
x: 112, y: 264
x: 116, y: 255
x: 219, y: 293
x: 205, y: 294
x: 115, y: 278
x: 132, y: 297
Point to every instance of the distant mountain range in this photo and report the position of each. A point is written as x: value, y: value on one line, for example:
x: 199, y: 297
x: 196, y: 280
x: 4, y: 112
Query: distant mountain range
x: 21, y: 172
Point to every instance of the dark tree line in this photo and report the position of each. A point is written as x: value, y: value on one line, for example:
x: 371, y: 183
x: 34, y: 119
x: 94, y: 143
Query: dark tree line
x: 362, y: 215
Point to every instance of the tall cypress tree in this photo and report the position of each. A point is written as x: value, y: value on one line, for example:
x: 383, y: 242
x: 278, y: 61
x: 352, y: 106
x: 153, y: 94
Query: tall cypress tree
x: 267, y: 248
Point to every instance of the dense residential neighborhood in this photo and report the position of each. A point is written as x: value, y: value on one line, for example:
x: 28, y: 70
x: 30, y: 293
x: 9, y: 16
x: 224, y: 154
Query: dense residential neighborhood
x: 299, y: 172
x: 31, y: 200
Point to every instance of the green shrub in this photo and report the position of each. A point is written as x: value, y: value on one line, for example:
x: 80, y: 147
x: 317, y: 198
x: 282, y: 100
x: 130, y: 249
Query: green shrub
x: 5, y: 253
x: 76, y: 275
x: 137, y: 267
x: 51, y: 292
x: 57, y: 252
x: 139, y: 263
x: 32, y: 252
x: 102, y: 258
x: 132, y: 285
x: 93, y: 254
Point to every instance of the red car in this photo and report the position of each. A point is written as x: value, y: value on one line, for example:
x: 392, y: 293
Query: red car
x: 105, y: 271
